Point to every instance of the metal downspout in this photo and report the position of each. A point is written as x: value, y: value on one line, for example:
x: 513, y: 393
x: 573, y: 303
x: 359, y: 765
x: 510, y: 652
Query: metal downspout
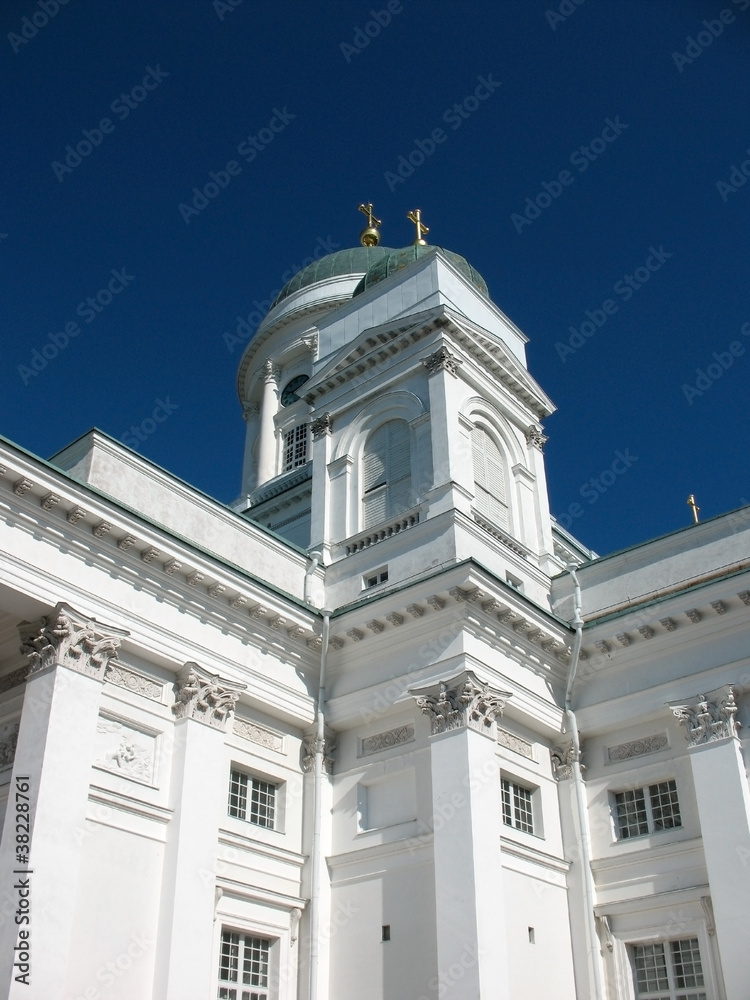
x: 580, y: 794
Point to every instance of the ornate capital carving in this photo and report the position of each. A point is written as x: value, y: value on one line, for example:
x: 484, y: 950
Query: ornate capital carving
x: 563, y: 757
x: 463, y: 702
x: 313, y: 746
x: 68, y: 638
x: 251, y: 411
x: 269, y: 372
x: 710, y: 718
x: 321, y: 425
x: 442, y: 360
x: 534, y: 437
x: 206, y: 697
x: 311, y: 342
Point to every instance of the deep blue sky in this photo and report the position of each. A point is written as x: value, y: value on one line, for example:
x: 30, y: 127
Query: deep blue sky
x: 219, y: 75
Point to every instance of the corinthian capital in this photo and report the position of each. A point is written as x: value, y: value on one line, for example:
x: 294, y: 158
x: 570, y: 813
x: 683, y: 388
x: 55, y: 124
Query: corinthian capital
x: 460, y: 703
x: 68, y: 638
x: 206, y: 697
x: 709, y: 718
x: 269, y: 371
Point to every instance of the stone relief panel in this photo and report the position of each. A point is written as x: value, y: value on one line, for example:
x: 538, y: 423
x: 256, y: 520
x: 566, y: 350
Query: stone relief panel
x: 125, y: 750
x: 258, y: 734
x: 8, y: 741
x: 512, y: 742
x: 637, y: 748
x: 384, y: 741
x: 124, y: 677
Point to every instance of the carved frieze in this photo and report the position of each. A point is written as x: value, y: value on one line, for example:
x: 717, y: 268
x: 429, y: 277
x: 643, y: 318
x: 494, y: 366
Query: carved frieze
x: 206, y: 697
x: 126, y: 542
x: 512, y: 742
x: 463, y: 702
x: 258, y: 734
x: 49, y: 501
x: 68, y: 638
x: 384, y: 741
x: 13, y: 679
x: 101, y: 528
x: 710, y: 718
x: 22, y: 486
x: 637, y: 748
x: 124, y: 749
x: 75, y: 514
x: 8, y: 742
x: 171, y: 567
x: 123, y: 677
x: 148, y: 555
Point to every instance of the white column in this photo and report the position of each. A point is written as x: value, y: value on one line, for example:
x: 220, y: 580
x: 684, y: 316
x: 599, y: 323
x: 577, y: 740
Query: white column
x: 451, y: 458
x: 68, y: 657
x: 198, y: 795
x: 467, y: 820
x: 320, y: 517
x: 251, y: 414
x: 723, y: 796
x: 267, y: 434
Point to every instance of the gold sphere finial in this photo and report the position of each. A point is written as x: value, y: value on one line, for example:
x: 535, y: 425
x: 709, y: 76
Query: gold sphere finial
x: 416, y: 218
x: 370, y: 235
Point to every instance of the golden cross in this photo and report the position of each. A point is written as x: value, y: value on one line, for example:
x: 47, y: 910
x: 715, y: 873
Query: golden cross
x: 691, y: 503
x: 371, y: 220
x: 416, y: 218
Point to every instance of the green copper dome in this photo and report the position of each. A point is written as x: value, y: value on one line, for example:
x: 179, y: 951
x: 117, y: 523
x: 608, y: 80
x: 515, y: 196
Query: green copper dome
x: 356, y: 260
x: 396, y: 260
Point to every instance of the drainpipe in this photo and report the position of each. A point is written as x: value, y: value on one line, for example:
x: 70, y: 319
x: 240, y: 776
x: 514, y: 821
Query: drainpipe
x: 318, y: 776
x: 315, y: 560
x: 580, y: 794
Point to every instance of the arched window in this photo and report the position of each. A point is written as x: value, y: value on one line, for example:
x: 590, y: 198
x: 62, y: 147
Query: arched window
x: 490, y: 492
x: 386, y: 472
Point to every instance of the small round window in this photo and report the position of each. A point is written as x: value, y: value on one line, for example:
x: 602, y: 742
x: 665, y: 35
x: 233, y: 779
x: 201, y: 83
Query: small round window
x: 289, y: 392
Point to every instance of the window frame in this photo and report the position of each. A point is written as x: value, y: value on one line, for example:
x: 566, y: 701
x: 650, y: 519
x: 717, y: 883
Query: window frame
x: 532, y: 800
x: 672, y: 991
x: 653, y: 824
x: 292, y: 438
x: 485, y: 509
x: 227, y: 989
x: 252, y: 801
x: 389, y: 488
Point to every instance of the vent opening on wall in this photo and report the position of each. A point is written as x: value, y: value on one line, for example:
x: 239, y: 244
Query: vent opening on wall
x: 386, y: 932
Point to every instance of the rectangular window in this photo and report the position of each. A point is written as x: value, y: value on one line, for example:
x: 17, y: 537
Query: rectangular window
x: 252, y: 799
x: 639, y: 811
x: 668, y: 971
x: 378, y: 576
x: 243, y: 967
x: 295, y: 448
x: 517, y: 806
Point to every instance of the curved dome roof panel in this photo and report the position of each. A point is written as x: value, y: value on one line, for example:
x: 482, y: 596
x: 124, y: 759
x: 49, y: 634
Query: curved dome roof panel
x: 355, y: 260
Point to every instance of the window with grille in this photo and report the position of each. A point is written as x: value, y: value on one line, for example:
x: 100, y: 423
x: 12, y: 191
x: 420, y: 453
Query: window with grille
x: 639, y: 811
x: 516, y: 802
x: 490, y: 491
x: 295, y: 447
x: 243, y: 967
x: 252, y: 799
x: 669, y: 970
x: 386, y: 472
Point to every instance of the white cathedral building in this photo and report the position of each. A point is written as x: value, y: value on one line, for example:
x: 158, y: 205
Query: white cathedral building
x: 380, y: 730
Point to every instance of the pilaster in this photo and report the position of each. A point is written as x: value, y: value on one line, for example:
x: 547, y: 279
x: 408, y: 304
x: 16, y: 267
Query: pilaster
x: 68, y: 655
x: 321, y: 513
x: 723, y: 798
x: 204, y: 705
x: 451, y: 458
x: 466, y: 822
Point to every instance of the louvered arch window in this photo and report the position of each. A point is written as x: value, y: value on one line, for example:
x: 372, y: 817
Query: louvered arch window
x: 386, y: 472
x: 490, y: 490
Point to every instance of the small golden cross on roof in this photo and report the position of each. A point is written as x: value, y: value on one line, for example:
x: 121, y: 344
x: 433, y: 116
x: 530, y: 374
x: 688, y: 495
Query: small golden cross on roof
x: 368, y: 211
x: 691, y: 503
x: 416, y: 218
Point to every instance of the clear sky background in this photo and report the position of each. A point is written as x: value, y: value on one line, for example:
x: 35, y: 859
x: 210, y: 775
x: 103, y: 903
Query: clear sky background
x: 217, y: 73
